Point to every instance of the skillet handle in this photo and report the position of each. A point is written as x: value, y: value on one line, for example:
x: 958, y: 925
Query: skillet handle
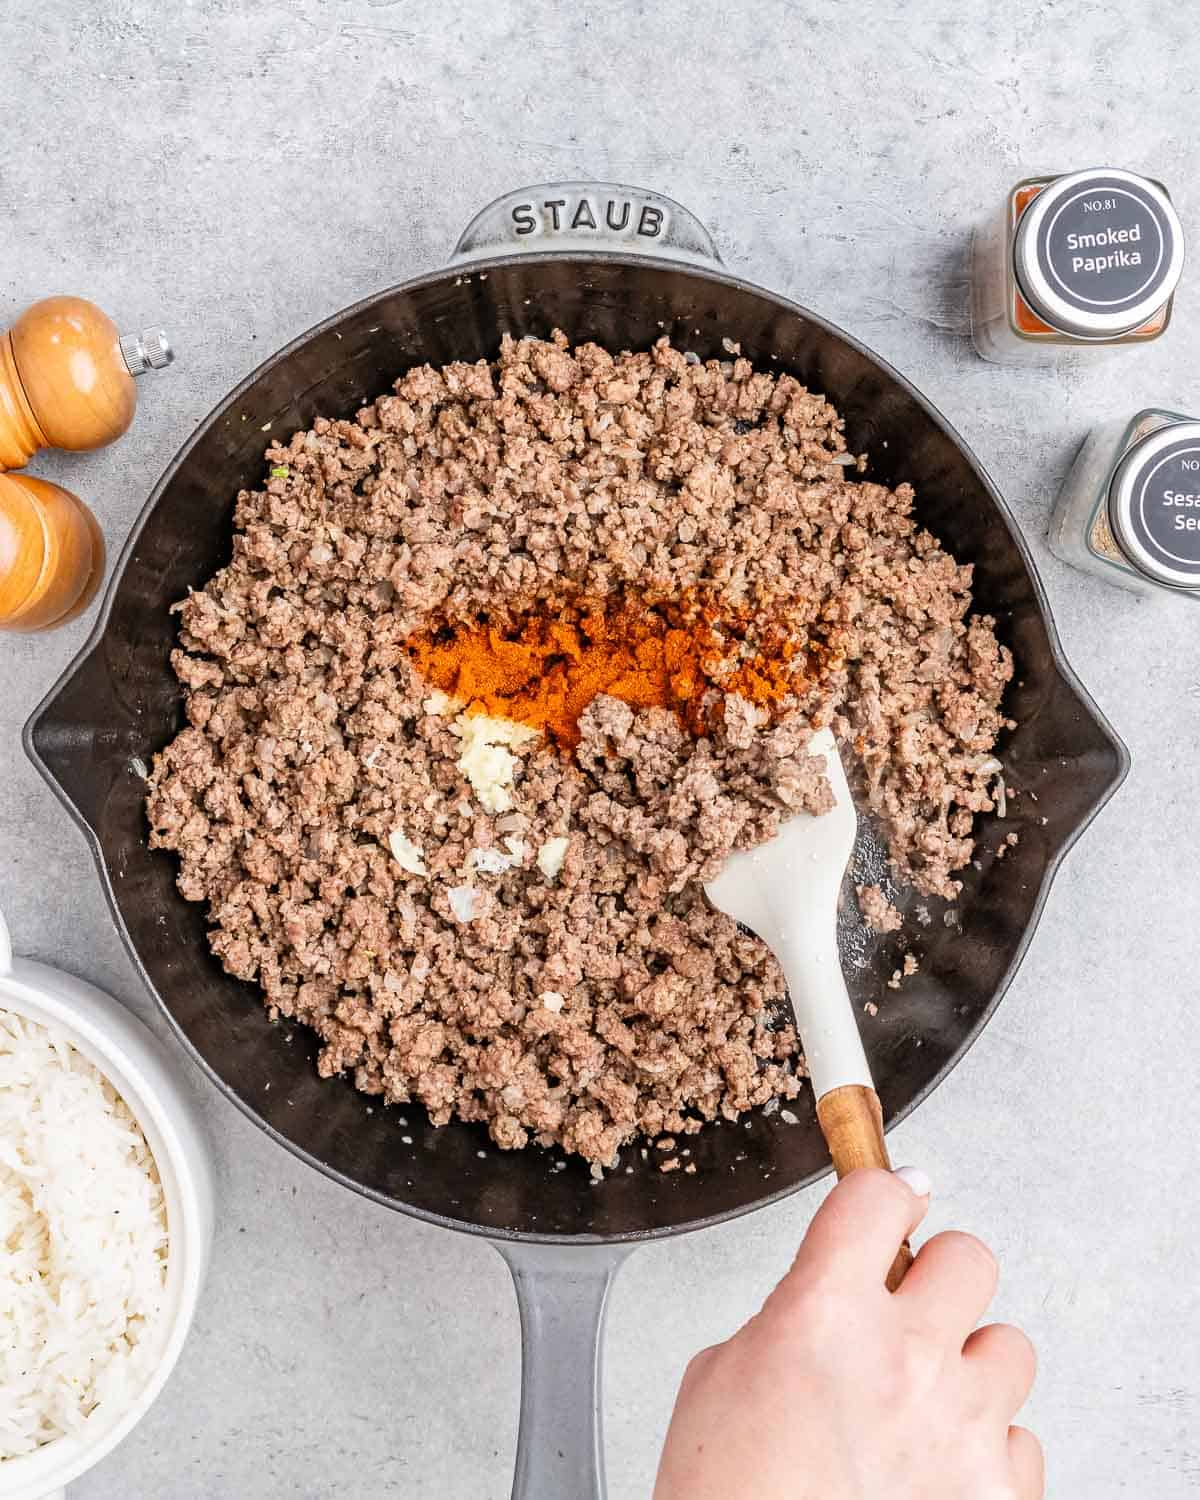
x: 852, y: 1122
x: 562, y: 1292
x: 586, y: 217
x: 84, y: 739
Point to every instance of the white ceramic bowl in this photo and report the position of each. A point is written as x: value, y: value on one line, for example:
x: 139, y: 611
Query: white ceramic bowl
x: 126, y: 1053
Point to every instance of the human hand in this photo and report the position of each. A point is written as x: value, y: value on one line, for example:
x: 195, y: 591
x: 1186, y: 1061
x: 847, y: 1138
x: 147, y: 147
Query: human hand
x: 841, y: 1390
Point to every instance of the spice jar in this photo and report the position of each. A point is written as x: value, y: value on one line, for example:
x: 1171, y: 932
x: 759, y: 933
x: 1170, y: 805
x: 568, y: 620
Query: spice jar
x: 1089, y: 260
x: 1129, y: 510
x: 51, y: 554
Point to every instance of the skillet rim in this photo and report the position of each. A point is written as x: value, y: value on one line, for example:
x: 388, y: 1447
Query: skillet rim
x: 1066, y: 675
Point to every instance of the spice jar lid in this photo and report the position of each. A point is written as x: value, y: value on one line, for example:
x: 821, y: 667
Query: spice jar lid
x: 1154, y: 505
x: 1097, y: 253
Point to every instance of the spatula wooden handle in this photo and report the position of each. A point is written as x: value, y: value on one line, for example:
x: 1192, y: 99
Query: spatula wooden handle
x: 852, y: 1122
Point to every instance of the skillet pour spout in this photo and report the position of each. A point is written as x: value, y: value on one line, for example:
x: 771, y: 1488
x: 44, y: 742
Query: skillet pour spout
x: 544, y: 258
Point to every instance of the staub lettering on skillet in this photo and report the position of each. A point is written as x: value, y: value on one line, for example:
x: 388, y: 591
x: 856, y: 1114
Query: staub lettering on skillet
x: 589, y: 212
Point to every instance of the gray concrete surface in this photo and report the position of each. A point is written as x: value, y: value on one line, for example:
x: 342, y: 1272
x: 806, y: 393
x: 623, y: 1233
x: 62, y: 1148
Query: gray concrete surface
x: 241, y: 168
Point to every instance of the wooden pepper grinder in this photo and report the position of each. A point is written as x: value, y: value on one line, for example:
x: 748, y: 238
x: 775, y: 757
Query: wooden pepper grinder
x: 67, y: 378
x: 51, y: 554
x: 66, y: 381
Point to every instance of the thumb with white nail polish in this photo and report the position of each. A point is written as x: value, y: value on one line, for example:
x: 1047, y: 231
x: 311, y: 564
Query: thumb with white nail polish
x: 915, y: 1180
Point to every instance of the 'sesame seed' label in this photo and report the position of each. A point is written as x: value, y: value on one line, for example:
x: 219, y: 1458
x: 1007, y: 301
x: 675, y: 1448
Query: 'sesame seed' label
x: 1165, y: 507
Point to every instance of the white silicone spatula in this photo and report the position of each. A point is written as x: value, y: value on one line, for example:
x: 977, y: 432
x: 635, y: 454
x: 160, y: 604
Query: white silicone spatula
x: 786, y: 892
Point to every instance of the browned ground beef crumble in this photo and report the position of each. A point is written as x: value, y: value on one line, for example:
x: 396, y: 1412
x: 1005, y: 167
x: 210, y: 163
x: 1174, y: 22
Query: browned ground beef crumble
x: 500, y: 486
x: 877, y: 911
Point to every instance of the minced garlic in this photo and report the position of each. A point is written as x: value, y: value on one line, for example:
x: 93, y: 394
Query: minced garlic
x: 551, y: 855
x: 440, y: 703
x: 487, y: 760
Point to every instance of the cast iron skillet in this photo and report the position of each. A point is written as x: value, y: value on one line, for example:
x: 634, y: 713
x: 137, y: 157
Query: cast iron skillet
x: 529, y: 263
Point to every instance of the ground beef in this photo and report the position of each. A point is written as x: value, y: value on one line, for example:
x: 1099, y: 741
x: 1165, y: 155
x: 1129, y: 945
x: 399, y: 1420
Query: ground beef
x: 877, y: 911
x: 350, y: 872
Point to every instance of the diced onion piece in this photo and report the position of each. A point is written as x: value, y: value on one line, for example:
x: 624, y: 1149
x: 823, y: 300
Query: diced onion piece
x: 405, y: 853
x: 462, y: 902
x: 490, y: 861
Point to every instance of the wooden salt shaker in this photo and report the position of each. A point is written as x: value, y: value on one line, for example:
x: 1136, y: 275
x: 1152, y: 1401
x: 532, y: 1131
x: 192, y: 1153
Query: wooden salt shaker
x: 51, y: 554
x: 67, y: 378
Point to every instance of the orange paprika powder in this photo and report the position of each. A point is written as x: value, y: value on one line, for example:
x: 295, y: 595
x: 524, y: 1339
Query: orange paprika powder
x: 544, y: 669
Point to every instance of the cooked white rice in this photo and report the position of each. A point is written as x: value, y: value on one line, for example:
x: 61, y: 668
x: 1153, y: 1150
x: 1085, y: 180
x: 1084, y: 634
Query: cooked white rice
x: 84, y: 1231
